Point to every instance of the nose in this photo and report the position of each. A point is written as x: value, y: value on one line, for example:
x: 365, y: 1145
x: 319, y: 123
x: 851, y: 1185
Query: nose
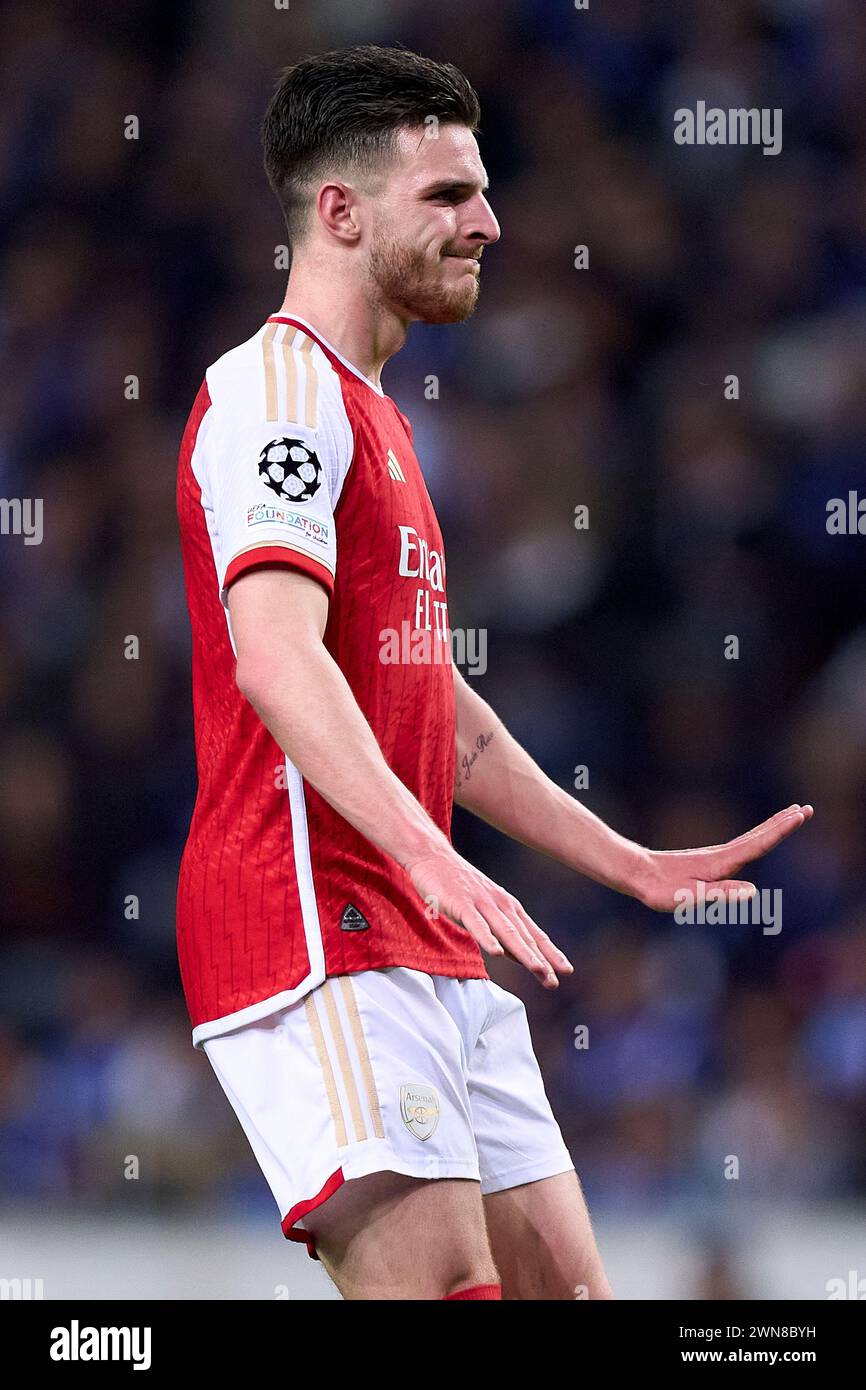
x: 490, y: 227
x: 481, y: 225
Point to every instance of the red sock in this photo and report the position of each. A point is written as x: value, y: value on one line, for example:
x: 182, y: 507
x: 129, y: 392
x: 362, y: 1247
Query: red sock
x: 478, y: 1291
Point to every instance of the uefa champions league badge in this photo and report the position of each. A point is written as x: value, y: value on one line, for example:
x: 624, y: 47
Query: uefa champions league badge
x: 291, y: 469
x: 419, y: 1109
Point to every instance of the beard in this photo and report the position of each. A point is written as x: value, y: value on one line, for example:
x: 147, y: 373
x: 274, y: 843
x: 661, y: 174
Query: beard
x: 403, y: 278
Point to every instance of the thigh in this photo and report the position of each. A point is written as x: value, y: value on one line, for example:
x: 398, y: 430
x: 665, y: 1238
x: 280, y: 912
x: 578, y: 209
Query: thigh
x: 390, y: 1236
x: 542, y: 1241
x: 366, y: 1075
x: 516, y: 1135
x: 537, y: 1219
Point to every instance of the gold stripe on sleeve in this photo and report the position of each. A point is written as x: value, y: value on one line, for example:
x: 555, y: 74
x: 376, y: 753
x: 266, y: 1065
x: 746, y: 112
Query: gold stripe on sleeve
x: 312, y: 381
x: 291, y: 374
x: 270, y: 372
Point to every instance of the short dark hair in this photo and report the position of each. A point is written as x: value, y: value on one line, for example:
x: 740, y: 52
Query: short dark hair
x: 344, y: 107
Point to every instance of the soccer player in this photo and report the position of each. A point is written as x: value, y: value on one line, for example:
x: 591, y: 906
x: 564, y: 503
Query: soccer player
x: 330, y: 938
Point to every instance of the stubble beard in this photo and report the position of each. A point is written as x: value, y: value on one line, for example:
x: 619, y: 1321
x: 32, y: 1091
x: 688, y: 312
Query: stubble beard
x: 401, y: 278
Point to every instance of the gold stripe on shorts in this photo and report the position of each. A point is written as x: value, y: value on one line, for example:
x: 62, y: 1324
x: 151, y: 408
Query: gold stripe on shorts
x: 351, y: 1004
x: 327, y: 991
x: 327, y: 1071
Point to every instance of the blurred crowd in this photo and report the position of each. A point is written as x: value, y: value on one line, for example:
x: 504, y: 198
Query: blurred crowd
x: 604, y: 386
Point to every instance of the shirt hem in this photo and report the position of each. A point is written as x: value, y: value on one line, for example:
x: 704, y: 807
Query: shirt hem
x: 261, y: 1008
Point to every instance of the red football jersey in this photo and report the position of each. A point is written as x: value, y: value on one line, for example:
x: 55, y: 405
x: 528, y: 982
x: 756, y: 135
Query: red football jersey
x: 292, y: 456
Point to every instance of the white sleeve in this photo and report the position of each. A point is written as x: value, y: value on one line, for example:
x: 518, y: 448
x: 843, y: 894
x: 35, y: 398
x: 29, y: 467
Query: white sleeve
x: 270, y: 486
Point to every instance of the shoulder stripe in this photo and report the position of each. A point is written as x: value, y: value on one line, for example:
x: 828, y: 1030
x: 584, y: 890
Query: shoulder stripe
x: 281, y: 374
x: 312, y: 380
x: 291, y: 377
x: 270, y: 372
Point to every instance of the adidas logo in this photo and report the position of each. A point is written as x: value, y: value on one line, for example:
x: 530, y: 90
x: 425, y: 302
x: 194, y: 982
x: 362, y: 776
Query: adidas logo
x: 394, y: 468
x: 353, y: 920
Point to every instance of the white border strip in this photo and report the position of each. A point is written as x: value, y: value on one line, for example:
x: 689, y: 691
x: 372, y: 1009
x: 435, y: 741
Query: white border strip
x: 312, y: 927
x: 303, y: 864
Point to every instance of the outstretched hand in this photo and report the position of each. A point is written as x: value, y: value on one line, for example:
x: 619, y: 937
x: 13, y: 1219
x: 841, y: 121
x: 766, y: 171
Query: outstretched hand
x: 497, y: 921
x: 671, y: 871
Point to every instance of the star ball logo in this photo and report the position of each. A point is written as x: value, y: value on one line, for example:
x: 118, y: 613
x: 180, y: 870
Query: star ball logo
x: 291, y: 469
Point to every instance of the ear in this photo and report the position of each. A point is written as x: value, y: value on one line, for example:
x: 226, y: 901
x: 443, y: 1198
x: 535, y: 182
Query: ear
x: 338, y: 210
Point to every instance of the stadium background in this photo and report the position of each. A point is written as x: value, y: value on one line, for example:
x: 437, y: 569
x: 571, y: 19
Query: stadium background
x: 601, y: 386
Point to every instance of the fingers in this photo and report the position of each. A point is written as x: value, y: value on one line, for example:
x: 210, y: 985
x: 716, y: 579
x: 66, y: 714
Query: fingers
x: 734, y: 889
x: 545, y: 957
x: 764, y: 837
x: 496, y: 920
x: 475, y: 923
x: 558, y: 959
x: 776, y: 827
x: 519, y: 943
x: 501, y: 918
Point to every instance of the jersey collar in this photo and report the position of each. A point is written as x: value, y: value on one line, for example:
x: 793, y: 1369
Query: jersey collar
x: 329, y: 347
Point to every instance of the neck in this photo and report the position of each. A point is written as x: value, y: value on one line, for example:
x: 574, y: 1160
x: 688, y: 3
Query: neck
x: 366, y: 334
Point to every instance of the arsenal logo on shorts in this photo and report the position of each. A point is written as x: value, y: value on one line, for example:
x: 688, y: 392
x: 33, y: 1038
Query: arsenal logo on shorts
x: 419, y: 1108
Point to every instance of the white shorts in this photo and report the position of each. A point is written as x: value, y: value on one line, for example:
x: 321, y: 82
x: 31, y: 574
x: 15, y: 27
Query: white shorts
x: 389, y: 1070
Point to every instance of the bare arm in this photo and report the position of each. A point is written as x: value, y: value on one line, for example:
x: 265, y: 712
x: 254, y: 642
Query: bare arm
x: 498, y: 780
x: 304, y: 700
x: 278, y: 618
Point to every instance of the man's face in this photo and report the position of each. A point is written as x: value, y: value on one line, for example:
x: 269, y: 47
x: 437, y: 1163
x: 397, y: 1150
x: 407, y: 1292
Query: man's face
x: 431, y: 222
